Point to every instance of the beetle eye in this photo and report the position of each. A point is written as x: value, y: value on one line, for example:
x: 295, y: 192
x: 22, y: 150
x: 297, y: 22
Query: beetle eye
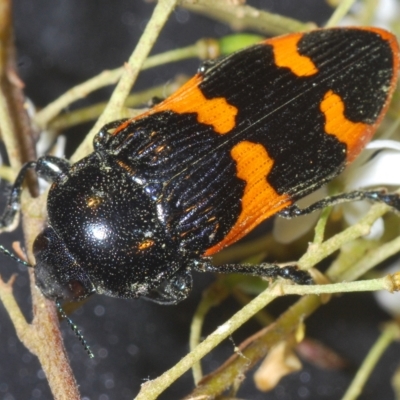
x: 57, y: 273
x: 40, y: 244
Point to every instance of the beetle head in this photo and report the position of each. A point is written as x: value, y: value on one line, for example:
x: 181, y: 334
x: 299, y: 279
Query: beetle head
x: 58, y: 275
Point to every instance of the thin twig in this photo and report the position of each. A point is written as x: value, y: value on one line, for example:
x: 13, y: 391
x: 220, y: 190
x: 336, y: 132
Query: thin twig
x: 151, y: 389
x: 242, y: 17
x: 212, y: 297
x: 341, y: 11
x: 390, y: 333
x: 16, y: 129
x: 44, y: 340
x: 239, y: 363
x: 132, y: 68
x: 14, y: 123
x: 105, y: 78
x: 317, y: 253
x: 371, y: 259
x: 90, y: 113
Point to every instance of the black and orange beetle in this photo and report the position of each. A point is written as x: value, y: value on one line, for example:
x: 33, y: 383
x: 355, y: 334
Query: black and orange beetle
x: 244, y: 139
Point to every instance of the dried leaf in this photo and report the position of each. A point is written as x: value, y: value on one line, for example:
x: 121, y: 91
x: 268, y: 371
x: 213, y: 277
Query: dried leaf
x: 280, y: 361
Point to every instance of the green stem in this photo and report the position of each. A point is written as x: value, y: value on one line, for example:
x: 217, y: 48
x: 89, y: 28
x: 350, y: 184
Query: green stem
x: 92, y: 112
x: 243, y: 17
x: 105, y: 78
x: 151, y: 389
x: 212, y: 297
x: 317, y: 253
x: 390, y: 333
x: 341, y: 10
x: 132, y: 68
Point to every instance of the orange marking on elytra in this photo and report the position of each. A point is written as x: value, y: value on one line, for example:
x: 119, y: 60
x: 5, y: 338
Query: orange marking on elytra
x: 189, y: 98
x: 260, y: 200
x: 216, y: 112
x: 355, y: 134
x: 287, y: 55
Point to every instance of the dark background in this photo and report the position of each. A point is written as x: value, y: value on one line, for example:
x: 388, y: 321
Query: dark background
x: 62, y: 43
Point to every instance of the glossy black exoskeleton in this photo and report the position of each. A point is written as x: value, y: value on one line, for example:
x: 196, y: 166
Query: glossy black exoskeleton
x: 243, y: 140
x: 106, y: 232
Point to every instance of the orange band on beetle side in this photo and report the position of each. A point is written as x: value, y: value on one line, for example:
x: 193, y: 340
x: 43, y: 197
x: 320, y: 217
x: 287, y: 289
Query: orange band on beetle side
x: 355, y: 134
x: 287, y: 55
x: 216, y: 112
x: 260, y: 200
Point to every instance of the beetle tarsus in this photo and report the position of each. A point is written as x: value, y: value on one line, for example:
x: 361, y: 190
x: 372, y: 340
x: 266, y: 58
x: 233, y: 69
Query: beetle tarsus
x: 263, y: 270
x: 377, y: 196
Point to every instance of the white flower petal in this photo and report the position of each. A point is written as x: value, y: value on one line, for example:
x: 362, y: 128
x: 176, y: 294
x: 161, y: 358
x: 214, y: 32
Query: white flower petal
x: 383, y: 144
x: 386, y: 11
x: 381, y: 170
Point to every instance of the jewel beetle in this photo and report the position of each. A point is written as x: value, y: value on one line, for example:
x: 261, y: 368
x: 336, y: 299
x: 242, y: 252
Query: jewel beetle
x: 243, y: 140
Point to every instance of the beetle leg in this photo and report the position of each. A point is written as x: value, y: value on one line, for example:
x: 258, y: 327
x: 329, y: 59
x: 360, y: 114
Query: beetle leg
x: 47, y: 167
x: 264, y: 269
x: 173, y: 290
x: 379, y: 196
x: 13, y: 202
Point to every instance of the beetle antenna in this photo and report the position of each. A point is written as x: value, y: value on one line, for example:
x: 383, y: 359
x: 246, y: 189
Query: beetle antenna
x: 14, y: 257
x: 75, y: 329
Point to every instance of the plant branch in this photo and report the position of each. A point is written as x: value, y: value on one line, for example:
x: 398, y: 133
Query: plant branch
x: 131, y: 70
x: 284, y: 325
x: 317, y: 253
x: 42, y: 338
x: 105, y: 78
x: 241, y: 17
x: 225, y: 376
x: 90, y: 113
x: 15, y: 126
x: 390, y: 333
x: 341, y: 10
